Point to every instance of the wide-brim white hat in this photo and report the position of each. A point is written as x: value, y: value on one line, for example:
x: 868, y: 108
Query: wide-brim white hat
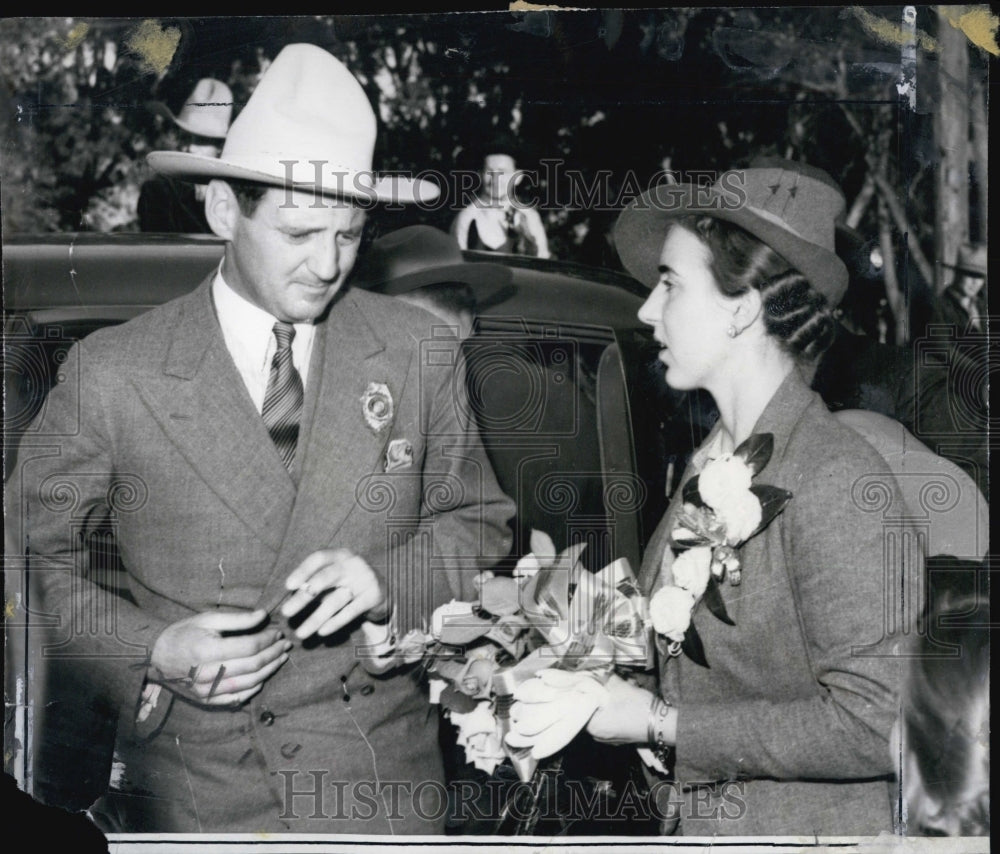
x: 307, y: 126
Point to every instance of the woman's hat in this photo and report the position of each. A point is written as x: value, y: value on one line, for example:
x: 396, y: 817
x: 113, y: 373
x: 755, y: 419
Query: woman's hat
x: 419, y: 255
x: 791, y: 207
x: 206, y: 112
x: 307, y: 126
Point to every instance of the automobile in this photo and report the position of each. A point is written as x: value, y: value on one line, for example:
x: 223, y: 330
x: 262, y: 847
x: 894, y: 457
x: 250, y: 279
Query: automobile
x: 562, y: 378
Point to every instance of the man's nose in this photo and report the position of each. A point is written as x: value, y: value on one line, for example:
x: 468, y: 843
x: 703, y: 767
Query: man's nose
x: 324, y: 261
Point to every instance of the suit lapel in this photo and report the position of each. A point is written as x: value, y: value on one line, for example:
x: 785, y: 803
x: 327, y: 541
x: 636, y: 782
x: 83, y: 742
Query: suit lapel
x: 339, y: 446
x: 203, y: 406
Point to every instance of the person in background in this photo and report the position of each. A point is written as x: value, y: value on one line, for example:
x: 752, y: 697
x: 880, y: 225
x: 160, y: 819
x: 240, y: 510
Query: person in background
x: 495, y: 221
x: 945, y: 736
x: 424, y: 266
x: 165, y: 203
x: 963, y: 302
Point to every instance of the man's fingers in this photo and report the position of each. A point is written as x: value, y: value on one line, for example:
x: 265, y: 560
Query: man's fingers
x: 257, y: 661
x: 231, y: 621
x: 315, y: 584
x: 228, y: 685
x: 313, y: 564
x: 332, y: 604
x: 230, y: 649
x: 233, y: 700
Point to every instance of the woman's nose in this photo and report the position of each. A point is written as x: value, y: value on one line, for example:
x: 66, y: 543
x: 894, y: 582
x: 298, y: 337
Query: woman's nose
x: 649, y: 311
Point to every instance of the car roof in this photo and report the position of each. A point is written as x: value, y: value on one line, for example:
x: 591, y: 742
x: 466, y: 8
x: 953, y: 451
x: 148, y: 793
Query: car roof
x: 121, y: 275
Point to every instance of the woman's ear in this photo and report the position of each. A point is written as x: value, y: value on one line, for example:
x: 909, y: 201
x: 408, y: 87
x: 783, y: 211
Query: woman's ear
x: 747, y: 309
x: 222, y: 210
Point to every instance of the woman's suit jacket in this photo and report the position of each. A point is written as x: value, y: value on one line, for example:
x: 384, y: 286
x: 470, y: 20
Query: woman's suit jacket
x: 156, y: 423
x: 788, y: 730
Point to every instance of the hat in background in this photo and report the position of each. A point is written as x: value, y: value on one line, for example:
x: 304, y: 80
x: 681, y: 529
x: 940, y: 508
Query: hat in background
x: 971, y: 259
x: 307, y: 126
x: 790, y: 206
x: 207, y: 111
x: 420, y: 255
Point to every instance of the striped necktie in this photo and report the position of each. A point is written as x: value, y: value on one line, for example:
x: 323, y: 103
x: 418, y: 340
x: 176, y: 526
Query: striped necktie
x: 283, y: 399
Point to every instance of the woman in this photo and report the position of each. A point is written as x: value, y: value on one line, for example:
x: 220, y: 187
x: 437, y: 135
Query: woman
x: 786, y: 731
x: 494, y: 221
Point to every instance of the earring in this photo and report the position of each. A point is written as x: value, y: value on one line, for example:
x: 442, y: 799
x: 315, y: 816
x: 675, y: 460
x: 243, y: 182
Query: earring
x: 731, y: 331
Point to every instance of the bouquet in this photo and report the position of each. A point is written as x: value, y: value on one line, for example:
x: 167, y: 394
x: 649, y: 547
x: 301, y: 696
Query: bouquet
x: 551, y: 617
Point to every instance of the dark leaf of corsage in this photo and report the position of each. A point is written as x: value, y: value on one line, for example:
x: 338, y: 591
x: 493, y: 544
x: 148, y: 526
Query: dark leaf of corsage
x: 772, y: 501
x: 690, y: 492
x: 692, y: 646
x: 756, y: 451
x: 714, y: 602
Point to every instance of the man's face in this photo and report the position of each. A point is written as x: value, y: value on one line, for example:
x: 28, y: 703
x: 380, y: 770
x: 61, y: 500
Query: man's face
x: 290, y: 257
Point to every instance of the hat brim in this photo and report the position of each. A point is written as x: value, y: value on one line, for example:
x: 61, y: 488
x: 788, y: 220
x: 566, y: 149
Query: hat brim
x: 964, y: 268
x: 200, y: 169
x: 161, y: 109
x: 641, y: 228
x: 486, y: 279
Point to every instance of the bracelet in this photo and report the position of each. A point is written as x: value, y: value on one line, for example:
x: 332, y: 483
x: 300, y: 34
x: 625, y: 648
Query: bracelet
x: 658, y: 711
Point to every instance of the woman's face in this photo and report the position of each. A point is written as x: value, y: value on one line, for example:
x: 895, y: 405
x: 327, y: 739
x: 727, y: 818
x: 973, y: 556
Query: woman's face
x: 688, y: 313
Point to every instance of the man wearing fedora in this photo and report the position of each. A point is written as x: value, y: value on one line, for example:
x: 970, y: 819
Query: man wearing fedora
x: 167, y: 204
x: 289, y: 476
x: 424, y: 266
x: 963, y: 301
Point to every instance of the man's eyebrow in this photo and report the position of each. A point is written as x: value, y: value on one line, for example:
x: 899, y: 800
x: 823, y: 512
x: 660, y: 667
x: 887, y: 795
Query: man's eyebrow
x: 666, y: 270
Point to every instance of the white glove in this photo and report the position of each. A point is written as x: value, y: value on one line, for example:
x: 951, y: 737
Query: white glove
x: 551, y: 708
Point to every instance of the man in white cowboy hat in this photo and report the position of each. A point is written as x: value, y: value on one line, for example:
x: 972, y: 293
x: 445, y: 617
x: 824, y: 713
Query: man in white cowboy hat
x: 167, y: 204
x: 302, y: 483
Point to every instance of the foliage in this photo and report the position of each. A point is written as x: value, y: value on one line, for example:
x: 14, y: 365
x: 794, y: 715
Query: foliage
x: 616, y: 94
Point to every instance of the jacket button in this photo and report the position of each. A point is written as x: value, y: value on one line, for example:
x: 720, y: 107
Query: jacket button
x: 267, y: 717
x: 367, y: 690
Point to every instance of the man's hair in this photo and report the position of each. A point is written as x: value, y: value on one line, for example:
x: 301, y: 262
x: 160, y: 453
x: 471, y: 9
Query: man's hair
x: 946, y: 722
x: 248, y: 195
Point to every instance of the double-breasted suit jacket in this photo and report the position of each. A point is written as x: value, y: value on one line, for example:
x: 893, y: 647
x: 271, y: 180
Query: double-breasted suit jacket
x: 787, y: 731
x: 161, y: 434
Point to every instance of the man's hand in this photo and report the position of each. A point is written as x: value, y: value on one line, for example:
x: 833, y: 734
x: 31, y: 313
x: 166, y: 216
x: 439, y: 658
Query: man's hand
x: 348, y: 586
x: 217, y: 658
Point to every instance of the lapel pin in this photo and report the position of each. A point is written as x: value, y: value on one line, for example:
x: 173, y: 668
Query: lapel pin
x: 377, y: 407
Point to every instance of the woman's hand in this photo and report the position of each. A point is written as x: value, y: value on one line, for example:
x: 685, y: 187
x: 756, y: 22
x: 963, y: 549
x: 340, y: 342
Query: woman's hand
x: 623, y: 718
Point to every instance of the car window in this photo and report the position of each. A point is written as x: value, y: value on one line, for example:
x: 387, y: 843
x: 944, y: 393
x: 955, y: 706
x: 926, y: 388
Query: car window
x: 534, y: 392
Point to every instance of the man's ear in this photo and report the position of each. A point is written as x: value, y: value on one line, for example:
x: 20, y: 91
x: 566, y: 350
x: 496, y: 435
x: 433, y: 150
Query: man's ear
x: 222, y: 210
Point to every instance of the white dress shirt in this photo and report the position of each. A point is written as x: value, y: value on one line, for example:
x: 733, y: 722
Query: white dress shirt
x: 248, y: 333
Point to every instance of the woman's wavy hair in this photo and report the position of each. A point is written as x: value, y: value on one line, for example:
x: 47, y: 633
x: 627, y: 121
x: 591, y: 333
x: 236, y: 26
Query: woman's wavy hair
x: 946, y: 724
x: 795, y: 313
